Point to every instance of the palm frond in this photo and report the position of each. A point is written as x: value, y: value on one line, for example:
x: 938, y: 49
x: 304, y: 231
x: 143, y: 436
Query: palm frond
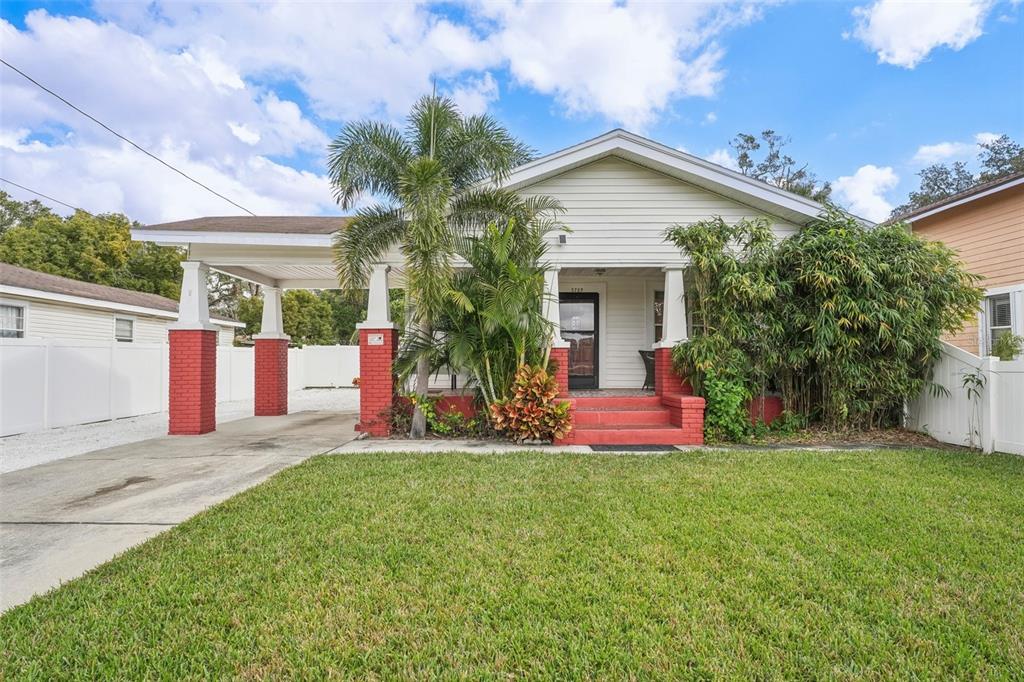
x: 366, y: 156
x: 364, y: 242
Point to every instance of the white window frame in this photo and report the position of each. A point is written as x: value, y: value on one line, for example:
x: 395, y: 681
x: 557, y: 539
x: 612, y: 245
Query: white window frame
x: 24, y: 305
x: 127, y: 318
x: 1016, y: 292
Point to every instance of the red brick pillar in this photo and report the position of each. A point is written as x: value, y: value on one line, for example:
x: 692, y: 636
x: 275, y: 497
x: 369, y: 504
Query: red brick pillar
x: 560, y: 357
x: 192, y: 403
x: 377, y: 351
x: 271, y: 379
x: 666, y: 380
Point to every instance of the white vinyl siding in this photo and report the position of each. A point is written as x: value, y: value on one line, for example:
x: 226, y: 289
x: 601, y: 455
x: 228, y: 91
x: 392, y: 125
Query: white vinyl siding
x: 51, y: 320
x: 618, y: 212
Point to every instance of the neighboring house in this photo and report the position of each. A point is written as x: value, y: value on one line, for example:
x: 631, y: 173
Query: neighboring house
x: 618, y: 284
x: 985, y: 226
x: 37, y: 305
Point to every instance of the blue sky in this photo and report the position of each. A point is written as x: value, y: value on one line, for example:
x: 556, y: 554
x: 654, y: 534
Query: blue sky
x: 245, y: 97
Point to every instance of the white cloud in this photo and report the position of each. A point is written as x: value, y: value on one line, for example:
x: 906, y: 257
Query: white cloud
x: 864, y: 191
x: 710, y: 118
x: 626, y: 62
x: 200, y: 82
x: 944, y: 151
x: 723, y: 158
x: 904, y: 33
x: 103, y: 178
x: 475, y: 95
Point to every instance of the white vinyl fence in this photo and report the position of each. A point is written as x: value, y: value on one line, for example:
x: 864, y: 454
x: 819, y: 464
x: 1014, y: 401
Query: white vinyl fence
x: 46, y: 383
x: 992, y: 420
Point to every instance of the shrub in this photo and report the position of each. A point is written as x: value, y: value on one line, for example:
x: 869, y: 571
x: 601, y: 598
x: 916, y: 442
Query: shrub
x: 532, y: 411
x: 1008, y: 346
x: 725, y: 416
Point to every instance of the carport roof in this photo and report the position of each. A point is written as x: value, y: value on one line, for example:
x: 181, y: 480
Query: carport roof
x: 257, y: 225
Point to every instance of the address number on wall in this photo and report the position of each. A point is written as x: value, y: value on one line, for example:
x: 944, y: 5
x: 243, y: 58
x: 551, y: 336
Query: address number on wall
x: 375, y: 339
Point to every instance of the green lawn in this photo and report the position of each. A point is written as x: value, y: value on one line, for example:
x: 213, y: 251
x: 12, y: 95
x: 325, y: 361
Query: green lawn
x: 707, y: 564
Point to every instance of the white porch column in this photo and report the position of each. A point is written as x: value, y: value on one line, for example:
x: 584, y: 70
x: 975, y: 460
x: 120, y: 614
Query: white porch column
x: 378, y: 308
x: 673, y: 319
x: 193, y: 305
x: 272, y: 326
x: 550, y: 307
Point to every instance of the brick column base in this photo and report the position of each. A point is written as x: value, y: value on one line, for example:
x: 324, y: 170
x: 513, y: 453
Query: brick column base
x: 666, y: 380
x: 560, y: 358
x: 377, y: 351
x: 192, y: 403
x: 271, y: 377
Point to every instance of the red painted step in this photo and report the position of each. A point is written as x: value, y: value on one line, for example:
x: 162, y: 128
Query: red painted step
x: 634, y: 435
x: 590, y: 416
x: 625, y: 402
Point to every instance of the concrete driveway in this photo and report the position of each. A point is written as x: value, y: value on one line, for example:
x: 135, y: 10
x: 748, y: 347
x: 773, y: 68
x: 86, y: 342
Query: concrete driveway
x: 60, y: 519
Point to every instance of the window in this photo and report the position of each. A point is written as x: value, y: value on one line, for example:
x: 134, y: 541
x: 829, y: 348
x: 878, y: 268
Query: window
x: 12, y: 321
x: 999, y: 318
x: 124, y: 329
x: 659, y: 314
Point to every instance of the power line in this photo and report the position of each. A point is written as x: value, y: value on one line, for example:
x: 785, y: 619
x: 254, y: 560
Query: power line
x: 58, y: 201
x: 119, y: 135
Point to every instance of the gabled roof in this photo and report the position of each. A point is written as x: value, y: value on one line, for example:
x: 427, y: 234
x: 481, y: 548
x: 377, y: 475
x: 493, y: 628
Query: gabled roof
x: 687, y: 167
x: 13, y: 277
x: 968, y: 195
x: 258, y: 224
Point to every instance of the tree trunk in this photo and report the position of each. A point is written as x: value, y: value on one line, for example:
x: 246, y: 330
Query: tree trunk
x: 419, y: 420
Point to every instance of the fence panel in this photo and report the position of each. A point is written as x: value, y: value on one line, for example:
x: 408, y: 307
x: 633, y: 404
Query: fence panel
x: 48, y: 383
x: 993, y: 419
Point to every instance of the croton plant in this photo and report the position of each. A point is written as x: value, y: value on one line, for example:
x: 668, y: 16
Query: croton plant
x: 532, y: 412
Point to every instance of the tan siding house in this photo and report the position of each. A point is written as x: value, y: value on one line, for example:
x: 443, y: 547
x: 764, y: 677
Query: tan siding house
x: 985, y: 226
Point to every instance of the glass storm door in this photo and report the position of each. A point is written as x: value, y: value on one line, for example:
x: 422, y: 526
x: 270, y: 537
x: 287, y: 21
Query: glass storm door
x: 578, y: 318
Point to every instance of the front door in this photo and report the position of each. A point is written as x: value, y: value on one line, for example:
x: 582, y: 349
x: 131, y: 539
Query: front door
x: 578, y: 319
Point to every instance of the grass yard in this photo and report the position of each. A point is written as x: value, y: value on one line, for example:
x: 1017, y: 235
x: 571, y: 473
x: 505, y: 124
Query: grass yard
x: 709, y: 564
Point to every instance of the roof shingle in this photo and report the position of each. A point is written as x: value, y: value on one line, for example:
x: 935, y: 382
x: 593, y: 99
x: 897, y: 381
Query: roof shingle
x: 23, y: 278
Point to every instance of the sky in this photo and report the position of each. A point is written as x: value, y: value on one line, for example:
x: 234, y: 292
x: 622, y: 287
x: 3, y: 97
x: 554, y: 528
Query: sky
x: 245, y: 97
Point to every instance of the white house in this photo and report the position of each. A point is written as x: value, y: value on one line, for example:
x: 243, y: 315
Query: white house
x: 43, y: 306
x: 619, y: 285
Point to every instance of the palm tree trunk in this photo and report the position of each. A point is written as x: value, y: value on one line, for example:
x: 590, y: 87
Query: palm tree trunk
x: 419, y: 420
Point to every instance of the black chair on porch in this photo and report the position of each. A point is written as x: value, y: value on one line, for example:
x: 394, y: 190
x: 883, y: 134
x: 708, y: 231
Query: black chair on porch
x: 648, y: 357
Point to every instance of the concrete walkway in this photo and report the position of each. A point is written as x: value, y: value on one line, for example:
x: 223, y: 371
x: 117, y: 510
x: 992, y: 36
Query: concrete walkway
x: 60, y: 519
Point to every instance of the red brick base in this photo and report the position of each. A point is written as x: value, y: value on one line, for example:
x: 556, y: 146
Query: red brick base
x: 271, y: 377
x: 192, y: 392
x: 376, y: 381
x: 560, y: 358
x: 666, y: 380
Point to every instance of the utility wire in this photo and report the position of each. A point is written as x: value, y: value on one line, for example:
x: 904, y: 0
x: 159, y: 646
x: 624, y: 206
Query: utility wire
x: 58, y: 201
x: 119, y: 135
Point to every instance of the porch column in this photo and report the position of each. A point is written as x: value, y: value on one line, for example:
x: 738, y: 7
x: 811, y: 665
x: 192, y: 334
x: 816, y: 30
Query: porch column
x: 192, y: 343
x: 378, y: 345
x: 559, y: 347
x: 673, y: 332
x: 271, y: 358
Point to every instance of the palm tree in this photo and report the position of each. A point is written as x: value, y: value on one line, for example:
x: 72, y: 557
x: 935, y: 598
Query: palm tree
x: 426, y: 182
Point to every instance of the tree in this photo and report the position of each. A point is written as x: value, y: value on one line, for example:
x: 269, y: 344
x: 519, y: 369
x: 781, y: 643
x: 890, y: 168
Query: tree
x: 1000, y: 157
x: 306, y: 317
x: 88, y: 248
x: 423, y: 178
x: 938, y: 181
x: 14, y: 213
x: 776, y: 167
